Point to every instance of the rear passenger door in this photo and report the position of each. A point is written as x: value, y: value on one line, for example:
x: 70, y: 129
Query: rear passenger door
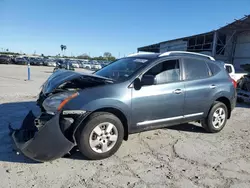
x: 199, y: 87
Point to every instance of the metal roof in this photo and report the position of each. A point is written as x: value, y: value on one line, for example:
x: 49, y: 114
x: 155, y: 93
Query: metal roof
x: 157, y: 45
x: 237, y: 25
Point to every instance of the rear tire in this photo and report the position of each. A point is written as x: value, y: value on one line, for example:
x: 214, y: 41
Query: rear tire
x: 100, y: 136
x: 216, y: 119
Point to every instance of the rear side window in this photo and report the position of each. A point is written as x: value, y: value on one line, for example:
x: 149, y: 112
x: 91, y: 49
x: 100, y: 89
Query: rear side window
x: 195, y: 69
x: 214, y: 68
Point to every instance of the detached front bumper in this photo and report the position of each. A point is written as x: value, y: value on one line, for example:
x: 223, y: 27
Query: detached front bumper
x: 42, y: 140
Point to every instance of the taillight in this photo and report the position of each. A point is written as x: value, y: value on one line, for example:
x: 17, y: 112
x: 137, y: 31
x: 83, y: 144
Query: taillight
x: 234, y: 83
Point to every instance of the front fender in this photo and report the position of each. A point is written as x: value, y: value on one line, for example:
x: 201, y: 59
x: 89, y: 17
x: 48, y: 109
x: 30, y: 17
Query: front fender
x: 107, y: 103
x: 100, y: 104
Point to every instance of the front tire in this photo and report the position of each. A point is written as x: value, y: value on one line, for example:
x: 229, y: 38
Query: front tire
x: 216, y: 119
x: 100, y: 136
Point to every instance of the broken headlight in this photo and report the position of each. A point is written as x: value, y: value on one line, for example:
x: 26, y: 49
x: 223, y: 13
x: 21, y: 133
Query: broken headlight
x: 56, y: 102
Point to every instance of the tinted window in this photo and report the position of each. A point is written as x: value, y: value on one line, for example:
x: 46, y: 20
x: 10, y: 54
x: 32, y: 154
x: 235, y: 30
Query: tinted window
x: 229, y: 69
x: 165, y: 72
x: 195, y: 69
x: 214, y: 68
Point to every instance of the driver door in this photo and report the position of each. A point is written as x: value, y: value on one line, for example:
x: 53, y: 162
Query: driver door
x: 161, y: 102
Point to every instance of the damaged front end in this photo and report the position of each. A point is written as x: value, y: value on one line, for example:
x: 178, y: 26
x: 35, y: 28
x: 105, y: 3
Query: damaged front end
x: 41, y: 138
x: 51, y: 135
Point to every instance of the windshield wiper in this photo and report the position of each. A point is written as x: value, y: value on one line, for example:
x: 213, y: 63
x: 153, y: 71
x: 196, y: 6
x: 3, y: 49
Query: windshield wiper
x: 104, y: 79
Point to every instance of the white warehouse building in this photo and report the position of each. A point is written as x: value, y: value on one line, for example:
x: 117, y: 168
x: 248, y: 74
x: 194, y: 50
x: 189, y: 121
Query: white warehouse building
x: 230, y: 44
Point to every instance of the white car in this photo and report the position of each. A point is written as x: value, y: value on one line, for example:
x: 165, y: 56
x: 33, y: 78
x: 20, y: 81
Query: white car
x: 96, y: 66
x: 87, y: 66
x: 75, y: 65
x: 233, y: 74
x: 51, y: 63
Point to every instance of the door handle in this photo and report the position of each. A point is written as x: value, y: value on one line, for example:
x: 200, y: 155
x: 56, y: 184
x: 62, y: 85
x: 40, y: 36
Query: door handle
x: 212, y: 86
x: 177, y: 91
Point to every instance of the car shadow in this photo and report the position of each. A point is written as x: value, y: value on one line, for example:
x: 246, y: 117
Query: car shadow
x: 243, y: 105
x: 49, y: 72
x: 187, y: 127
x: 75, y: 154
x: 12, y: 114
x: 13, y: 78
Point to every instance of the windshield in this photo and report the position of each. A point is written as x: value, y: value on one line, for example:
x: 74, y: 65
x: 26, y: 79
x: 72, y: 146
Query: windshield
x: 122, y: 69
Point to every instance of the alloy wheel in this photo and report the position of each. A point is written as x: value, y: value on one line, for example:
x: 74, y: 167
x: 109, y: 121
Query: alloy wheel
x: 103, y: 137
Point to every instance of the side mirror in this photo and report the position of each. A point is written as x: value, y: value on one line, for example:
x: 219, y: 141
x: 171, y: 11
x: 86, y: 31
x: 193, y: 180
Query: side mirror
x: 147, y: 80
x: 137, y: 84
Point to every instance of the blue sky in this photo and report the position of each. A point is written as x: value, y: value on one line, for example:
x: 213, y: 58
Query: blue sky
x: 116, y: 26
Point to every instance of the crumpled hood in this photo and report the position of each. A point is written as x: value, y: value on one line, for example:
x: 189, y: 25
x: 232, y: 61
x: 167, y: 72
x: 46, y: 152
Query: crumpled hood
x: 62, y: 76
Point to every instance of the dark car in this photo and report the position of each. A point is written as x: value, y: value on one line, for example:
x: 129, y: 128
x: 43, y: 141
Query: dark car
x: 63, y: 65
x: 36, y: 61
x: 96, y: 112
x: 21, y: 61
x: 4, y: 59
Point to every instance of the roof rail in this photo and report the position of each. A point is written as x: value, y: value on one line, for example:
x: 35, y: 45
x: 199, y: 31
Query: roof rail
x: 140, y: 53
x: 184, y: 52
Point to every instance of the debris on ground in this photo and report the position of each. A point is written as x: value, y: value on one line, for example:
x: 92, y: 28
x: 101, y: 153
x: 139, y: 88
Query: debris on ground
x: 243, y: 89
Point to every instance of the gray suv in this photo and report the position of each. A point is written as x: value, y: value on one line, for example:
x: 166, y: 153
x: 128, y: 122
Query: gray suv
x: 96, y: 112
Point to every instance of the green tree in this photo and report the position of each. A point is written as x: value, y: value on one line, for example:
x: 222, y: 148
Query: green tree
x: 107, y: 55
x: 83, y: 56
x: 112, y: 58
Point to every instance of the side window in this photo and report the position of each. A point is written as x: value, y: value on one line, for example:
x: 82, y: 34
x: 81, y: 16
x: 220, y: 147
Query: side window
x: 229, y: 69
x: 195, y: 69
x: 165, y: 72
x: 214, y: 68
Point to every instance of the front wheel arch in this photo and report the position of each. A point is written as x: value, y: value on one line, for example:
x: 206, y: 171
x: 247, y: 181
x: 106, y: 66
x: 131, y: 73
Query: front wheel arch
x: 113, y: 111
x: 84, y: 136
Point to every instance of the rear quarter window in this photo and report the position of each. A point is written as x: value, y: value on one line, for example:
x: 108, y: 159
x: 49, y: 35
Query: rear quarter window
x: 195, y: 69
x: 214, y: 68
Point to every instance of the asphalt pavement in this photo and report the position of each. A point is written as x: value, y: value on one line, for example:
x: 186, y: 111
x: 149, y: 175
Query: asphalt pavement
x: 179, y: 156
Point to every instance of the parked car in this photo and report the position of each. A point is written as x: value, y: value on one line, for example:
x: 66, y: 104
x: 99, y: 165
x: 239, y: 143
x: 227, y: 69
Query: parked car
x: 50, y: 63
x: 243, y: 89
x: 98, y: 111
x: 236, y: 75
x: 5, y: 59
x: 87, y: 66
x: 74, y: 63
x: 36, y: 61
x: 64, y: 65
x: 80, y: 63
x: 21, y: 61
x: 96, y: 66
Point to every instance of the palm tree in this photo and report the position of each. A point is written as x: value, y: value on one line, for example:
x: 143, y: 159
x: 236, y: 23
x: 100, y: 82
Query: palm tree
x: 63, y: 47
